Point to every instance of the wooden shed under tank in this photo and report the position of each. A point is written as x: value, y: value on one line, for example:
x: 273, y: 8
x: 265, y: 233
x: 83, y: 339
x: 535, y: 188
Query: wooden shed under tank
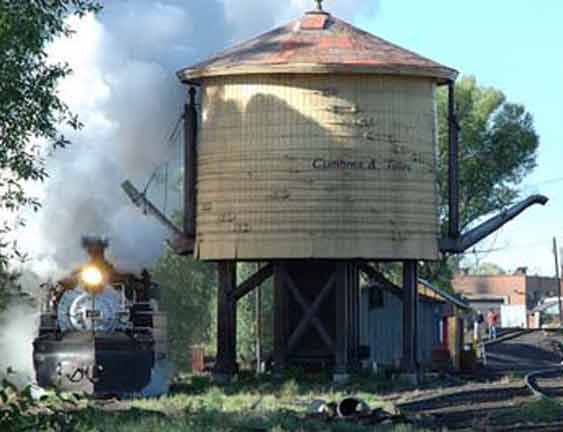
x: 315, y: 152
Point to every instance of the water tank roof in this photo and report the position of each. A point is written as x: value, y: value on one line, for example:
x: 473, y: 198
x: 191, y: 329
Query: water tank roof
x: 317, y: 43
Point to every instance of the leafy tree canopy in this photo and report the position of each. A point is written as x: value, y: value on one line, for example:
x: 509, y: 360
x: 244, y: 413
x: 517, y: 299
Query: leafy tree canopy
x: 31, y: 110
x: 487, y: 269
x: 497, y: 149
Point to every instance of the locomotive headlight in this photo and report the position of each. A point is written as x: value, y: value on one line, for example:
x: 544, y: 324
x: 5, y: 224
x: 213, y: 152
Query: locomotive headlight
x: 92, y: 277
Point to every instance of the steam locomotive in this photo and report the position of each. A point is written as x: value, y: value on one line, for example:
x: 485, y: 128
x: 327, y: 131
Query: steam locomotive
x: 100, y: 331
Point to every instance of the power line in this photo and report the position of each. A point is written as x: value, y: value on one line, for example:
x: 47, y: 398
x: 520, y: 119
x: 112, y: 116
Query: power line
x: 544, y: 182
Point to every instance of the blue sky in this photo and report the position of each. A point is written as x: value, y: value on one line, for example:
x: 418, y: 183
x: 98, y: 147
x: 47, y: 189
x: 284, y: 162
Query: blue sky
x: 516, y: 46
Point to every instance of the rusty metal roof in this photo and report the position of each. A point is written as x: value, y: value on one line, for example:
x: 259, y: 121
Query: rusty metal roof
x: 317, y: 43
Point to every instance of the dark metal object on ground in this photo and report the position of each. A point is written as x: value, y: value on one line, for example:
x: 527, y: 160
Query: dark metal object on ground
x: 351, y: 406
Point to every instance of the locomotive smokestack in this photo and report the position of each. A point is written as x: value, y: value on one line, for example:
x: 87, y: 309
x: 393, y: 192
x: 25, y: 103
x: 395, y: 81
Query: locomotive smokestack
x: 95, y: 247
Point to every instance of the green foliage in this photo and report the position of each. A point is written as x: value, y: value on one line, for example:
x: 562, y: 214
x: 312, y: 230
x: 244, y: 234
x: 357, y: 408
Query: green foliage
x: 249, y: 404
x: 543, y: 410
x: 31, y: 111
x: 497, y: 149
x: 30, y: 106
x: 189, y: 292
x: 497, y: 144
x: 246, y: 317
x: 488, y: 269
x: 20, y: 411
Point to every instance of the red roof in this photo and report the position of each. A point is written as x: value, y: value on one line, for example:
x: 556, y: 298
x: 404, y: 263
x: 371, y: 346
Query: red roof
x: 317, y: 43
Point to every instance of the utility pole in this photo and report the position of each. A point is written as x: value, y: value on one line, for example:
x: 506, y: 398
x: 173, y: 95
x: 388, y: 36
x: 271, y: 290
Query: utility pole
x: 557, y: 276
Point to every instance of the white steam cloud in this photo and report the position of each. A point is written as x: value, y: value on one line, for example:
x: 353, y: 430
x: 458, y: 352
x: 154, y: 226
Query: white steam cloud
x: 125, y: 90
x: 18, y: 327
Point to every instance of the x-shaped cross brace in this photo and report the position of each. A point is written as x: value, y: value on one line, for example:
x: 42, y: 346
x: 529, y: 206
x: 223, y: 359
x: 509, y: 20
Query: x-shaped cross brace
x: 310, y: 313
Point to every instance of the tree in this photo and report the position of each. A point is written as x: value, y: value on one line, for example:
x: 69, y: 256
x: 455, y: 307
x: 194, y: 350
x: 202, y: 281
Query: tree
x: 189, y: 293
x: 497, y: 149
x: 487, y: 269
x: 31, y: 111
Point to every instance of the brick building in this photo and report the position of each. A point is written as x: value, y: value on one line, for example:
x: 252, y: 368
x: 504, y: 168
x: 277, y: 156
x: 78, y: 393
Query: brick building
x: 485, y: 292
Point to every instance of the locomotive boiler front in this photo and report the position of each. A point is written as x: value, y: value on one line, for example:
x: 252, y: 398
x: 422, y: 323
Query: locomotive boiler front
x: 99, y: 334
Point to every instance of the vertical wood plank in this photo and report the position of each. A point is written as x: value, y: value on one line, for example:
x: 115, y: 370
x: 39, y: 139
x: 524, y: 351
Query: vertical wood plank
x: 410, y: 306
x: 226, y: 319
x: 341, y: 354
x: 280, y: 317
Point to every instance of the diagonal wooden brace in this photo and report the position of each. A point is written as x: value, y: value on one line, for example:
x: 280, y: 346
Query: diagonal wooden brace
x: 253, y: 281
x: 310, y: 314
x: 315, y: 321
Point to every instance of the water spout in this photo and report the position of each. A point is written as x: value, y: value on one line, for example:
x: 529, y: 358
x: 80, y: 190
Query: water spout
x: 465, y: 241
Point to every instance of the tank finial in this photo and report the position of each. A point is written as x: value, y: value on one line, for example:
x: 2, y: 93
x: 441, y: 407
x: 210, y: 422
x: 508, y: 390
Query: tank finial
x: 319, y: 5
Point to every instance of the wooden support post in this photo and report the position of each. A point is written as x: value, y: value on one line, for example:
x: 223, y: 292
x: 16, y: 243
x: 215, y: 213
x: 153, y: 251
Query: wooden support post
x: 353, y: 281
x: 410, y: 306
x: 226, y: 364
x: 190, y: 165
x: 347, y: 321
x: 280, y: 319
x: 258, y: 307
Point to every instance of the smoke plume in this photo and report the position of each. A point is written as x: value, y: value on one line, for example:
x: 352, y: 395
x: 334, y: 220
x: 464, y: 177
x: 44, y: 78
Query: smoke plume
x: 126, y: 93
x: 18, y: 327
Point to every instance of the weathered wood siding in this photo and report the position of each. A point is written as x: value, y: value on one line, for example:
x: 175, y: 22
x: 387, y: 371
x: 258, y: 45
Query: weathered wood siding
x: 381, y: 328
x: 297, y: 166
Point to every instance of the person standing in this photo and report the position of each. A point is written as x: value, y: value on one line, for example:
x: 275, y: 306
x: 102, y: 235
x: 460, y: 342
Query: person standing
x: 478, y: 320
x: 492, y: 319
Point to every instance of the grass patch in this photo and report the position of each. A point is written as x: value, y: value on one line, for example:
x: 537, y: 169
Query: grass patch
x: 248, y: 405
x: 543, y: 410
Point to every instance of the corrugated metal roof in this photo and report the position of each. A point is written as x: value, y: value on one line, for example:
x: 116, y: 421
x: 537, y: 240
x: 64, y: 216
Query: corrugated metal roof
x: 317, y: 43
x: 448, y: 296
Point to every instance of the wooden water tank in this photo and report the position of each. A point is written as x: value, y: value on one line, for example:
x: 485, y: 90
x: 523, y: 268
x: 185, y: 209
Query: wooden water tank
x: 317, y: 140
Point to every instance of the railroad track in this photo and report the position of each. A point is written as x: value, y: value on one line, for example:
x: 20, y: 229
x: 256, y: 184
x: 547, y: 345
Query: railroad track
x: 499, y: 407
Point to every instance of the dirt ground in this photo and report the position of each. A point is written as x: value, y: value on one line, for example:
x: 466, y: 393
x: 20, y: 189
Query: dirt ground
x: 503, y: 401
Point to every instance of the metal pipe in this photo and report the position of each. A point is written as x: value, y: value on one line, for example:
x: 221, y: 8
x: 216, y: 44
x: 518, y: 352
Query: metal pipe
x: 142, y: 202
x: 453, y: 165
x: 461, y: 244
x: 190, y: 165
x: 351, y: 406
